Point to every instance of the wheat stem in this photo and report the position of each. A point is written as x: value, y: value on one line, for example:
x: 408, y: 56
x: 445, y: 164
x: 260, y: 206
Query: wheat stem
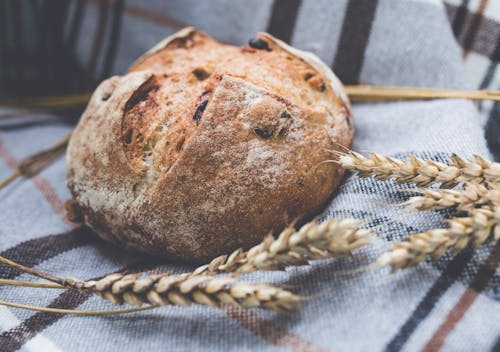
x: 356, y: 93
x: 34, y: 284
x: 11, y: 178
x: 421, y: 172
x: 480, y: 224
x: 31, y: 271
x: 332, y: 238
x: 74, y: 311
x: 33, y: 164
x: 62, y: 101
x: 377, y: 93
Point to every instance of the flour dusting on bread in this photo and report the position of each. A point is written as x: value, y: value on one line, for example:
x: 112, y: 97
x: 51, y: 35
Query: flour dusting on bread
x: 204, y: 147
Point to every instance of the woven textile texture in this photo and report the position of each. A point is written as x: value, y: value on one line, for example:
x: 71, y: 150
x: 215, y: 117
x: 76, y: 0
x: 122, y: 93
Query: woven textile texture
x: 450, y: 305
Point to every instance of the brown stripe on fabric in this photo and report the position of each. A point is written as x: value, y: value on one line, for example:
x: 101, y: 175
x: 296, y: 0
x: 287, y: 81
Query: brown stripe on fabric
x: 356, y: 29
x: 283, y: 17
x: 269, y: 331
x: 37, y: 250
x: 484, y: 43
x: 16, y: 337
x: 454, y: 269
x: 13, y: 339
x: 481, y: 280
x: 473, y: 28
x: 152, y: 16
x: 43, y: 186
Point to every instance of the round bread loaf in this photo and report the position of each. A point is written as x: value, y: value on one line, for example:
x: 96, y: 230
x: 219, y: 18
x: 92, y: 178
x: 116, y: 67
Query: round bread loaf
x: 203, y: 147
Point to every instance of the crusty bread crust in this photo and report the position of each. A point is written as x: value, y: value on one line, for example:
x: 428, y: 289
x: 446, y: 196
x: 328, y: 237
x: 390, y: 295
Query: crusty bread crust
x: 192, y: 155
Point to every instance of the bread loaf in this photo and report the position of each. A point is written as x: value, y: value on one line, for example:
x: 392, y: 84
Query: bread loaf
x: 203, y: 147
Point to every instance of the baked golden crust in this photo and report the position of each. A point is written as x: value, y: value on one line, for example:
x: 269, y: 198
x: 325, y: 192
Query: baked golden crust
x: 204, y: 147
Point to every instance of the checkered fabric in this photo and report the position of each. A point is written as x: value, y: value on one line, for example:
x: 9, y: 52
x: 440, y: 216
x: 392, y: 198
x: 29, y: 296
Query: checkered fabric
x: 451, y: 305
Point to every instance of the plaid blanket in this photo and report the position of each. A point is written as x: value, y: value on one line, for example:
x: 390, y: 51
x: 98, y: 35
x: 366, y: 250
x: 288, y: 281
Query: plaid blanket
x: 452, y: 304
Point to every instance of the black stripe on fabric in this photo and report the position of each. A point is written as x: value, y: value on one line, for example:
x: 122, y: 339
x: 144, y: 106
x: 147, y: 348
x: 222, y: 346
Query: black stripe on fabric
x: 283, y: 17
x: 492, y: 131
x: 17, y: 37
x: 3, y: 48
x: 75, y: 24
x: 489, y: 29
x: 496, y: 348
x: 98, y: 36
x: 459, y: 20
x: 473, y: 29
x: 16, y: 337
x: 449, y: 276
x: 13, y: 339
x: 356, y: 29
x: 114, y: 38
x: 490, y: 72
x: 35, y: 251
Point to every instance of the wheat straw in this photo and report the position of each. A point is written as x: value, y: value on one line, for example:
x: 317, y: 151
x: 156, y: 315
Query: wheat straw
x: 74, y: 311
x: 33, y: 164
x: 472, y: 196
x: 421, y: 172
x: 361, y: 93
x: 376, y: 93
x: 480, y: 224
x: 186, y: 289
x: 332, y: 238
x: 47, y: 102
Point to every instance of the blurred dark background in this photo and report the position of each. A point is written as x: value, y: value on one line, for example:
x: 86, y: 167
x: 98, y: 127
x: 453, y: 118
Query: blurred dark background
x: 57, y: 47
x: 38, y: 45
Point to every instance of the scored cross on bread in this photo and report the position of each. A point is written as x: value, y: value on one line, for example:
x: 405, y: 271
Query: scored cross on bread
x: 202, y: 147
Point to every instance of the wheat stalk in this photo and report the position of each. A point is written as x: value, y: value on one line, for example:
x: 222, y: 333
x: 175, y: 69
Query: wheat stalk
x: 74, y: 311
x: 476, y: 228
x: 421, y: 172
x: 472, y: 196
x: 47, y: 102
x: 186, y: 289
x: 33, y: 164
x: 361, y: 93
x: 332, y: 238
x: 378, y: 93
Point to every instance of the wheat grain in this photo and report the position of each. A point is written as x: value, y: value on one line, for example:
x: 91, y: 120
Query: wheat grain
x: 186, y: 289
x: 472, y: 196
x: 421, y: 172
x: 476, y: 228
x: 332, y: 238
x: 477, y: 169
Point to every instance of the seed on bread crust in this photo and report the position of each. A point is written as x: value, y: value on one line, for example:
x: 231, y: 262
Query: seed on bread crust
x: 204, y: 147
x: 259, y: 44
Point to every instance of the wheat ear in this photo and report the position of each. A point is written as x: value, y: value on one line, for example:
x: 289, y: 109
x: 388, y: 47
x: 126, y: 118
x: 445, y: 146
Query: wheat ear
x: 476, y: 228
x: 186, y: 289
x: 421, y: 172
x: 472, y: 196
x: 332, y: 238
